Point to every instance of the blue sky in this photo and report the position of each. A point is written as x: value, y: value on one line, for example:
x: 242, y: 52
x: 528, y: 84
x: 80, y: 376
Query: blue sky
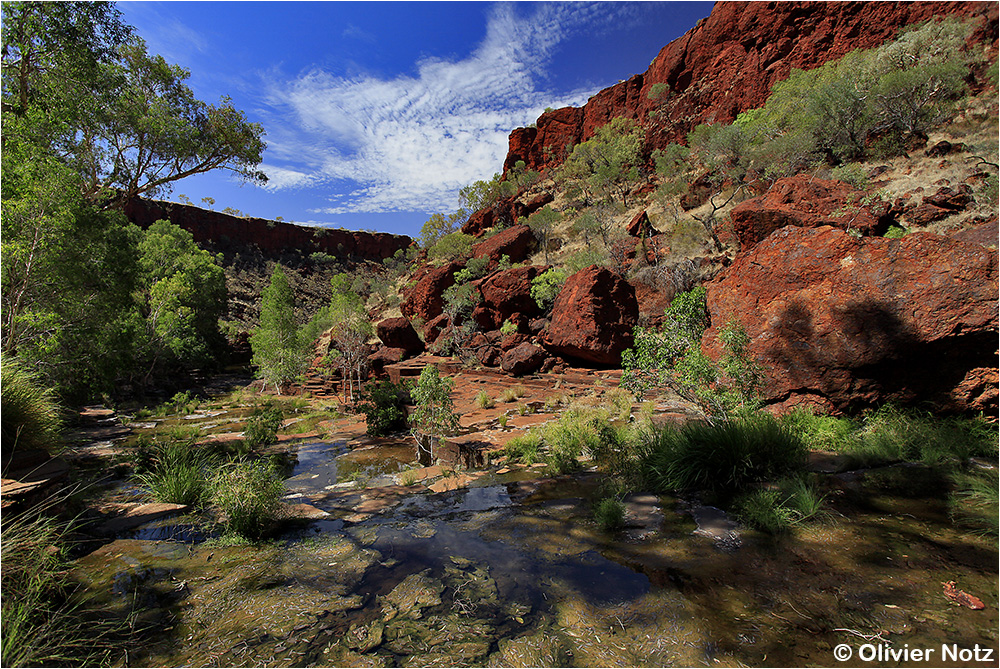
x: 376, y: 113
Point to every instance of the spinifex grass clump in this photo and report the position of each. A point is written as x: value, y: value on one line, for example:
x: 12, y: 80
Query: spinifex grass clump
x: 42, y: 623
x: 177, y: 473
x: 727, y: 457
x: 891, y: 434
x: 610, y: 514
x: 776, y: 509
x: 249, y: 493
x: 30, y: 415
x: 973, y: 503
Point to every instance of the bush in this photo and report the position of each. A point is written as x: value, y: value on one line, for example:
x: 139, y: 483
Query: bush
x: 451, y: 246
x: 384, y: 407
x: 610, y: 514
x: 512, y: 393
x: 30, y: 415
x: 508, y: 328
x: 546, y: 286
x: 727, y: 457
x: 851, y: 173
x: 262, y: 426
x: 249, y: 493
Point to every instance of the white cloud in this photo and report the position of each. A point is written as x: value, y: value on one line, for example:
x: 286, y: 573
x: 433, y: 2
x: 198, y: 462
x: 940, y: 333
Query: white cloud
x: 410, y: 142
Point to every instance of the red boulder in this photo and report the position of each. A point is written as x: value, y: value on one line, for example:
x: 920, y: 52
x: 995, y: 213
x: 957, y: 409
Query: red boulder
x: 425, y: 299
x: 593, y: 317
x: 399, y: 333
x: 523, y: 359
x: 849, y: 323
x: 806, y: 202
x: 516, y: 242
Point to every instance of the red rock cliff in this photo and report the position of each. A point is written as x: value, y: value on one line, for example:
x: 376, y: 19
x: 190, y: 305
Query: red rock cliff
x: 269, y: 236
x: 727, y: 64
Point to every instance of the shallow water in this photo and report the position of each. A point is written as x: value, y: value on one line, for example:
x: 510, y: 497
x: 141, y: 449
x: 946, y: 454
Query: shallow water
x: 515, y: 573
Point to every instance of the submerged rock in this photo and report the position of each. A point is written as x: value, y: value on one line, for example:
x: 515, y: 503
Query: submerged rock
x: 416, y: 593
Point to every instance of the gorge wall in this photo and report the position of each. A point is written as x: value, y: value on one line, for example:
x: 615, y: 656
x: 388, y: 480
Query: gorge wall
x: 727, y: 64
x: 270, y: 237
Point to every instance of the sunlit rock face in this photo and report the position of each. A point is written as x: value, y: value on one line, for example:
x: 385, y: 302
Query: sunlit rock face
x: 593, y: 317
x: 846, y: 323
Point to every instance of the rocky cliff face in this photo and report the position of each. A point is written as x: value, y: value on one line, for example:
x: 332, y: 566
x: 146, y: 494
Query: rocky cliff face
x: 271, y: 237
x: 727, y: 64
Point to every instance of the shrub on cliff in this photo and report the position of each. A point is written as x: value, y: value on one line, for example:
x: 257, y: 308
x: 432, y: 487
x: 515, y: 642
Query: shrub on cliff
x: 868, y: 100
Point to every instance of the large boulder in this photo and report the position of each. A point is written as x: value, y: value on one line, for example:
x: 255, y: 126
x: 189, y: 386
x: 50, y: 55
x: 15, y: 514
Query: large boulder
x: 399, y: 333
x: 806, y: 202
x: 593, y: 317
x: 515, y: 242
x: 845, y: 323
x: 425, y: 300
x: 507, y: 293
x: 523, y: 359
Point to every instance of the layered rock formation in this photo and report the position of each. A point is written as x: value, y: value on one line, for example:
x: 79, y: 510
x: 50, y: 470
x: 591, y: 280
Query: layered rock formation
x: 727, y: 64
x: 268, y: 236
x: 846, y: 323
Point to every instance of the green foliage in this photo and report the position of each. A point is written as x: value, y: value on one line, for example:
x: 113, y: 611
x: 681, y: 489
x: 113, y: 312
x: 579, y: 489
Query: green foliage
x: 726, y: 457
x: 350, y: 330
x: 87, y: 84
x: 518, y: 178
x: 460, y: 300
x: 763, y: 510
x: 483, y: 400
x: 512, y: 393
x: 610, y: 514
x: 176, y: 474
x: 607, y: 164
x: 776, y: 510
x: 262, y: 426
x: 384, y: 406
x: 481, y: 194
x: 658, y: 91
x: 541, y: 223
x: 888, y: 93
x: 249, y: 493
x: 439, y: 226
x: 974, y: 500
x: 524, y: 448
x: 90, y: 120
x: 475, y: 268
x: 451, y: 246
x: 672, y: 358
x: 508, y: 328
x: 723, y: 150
x: 31, y: 417
x: 852, y: 173
x: 278, y: 353
x: 895, y: 232
x: 41, y: 623
x: 434, y: 417
x: 546, y: 286
x: 586, y: 258
x: 185, y: 292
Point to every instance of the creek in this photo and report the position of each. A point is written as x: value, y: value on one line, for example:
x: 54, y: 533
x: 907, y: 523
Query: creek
x: 511, y: 570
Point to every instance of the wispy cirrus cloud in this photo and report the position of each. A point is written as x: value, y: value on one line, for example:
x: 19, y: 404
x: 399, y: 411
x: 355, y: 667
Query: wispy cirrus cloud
x: 409, y: 143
